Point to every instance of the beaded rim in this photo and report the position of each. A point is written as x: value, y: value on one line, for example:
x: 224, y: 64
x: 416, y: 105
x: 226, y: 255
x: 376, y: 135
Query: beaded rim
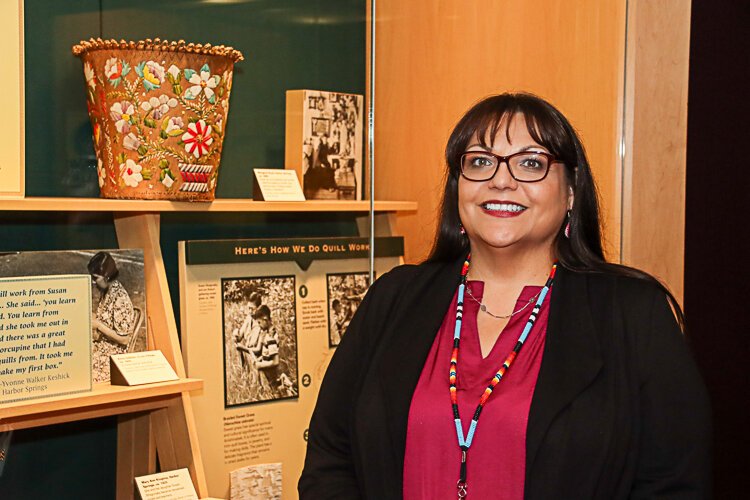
x: 157, y: 44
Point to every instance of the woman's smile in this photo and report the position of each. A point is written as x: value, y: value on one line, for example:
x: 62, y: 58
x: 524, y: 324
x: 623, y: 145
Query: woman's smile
x: 502, y: 208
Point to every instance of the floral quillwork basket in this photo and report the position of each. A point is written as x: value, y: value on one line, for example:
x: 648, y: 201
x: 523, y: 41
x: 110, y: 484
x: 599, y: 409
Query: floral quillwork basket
x: 158, y: 112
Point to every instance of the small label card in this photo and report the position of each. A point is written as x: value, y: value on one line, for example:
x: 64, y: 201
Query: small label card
x: 137, y: 368
x: 170, y: 485
x: 45, y: 336
x: 275, y: 184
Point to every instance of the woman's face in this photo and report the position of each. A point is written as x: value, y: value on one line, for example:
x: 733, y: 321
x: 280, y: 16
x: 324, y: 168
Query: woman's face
x: 502, y: 212
x: 100, y: 281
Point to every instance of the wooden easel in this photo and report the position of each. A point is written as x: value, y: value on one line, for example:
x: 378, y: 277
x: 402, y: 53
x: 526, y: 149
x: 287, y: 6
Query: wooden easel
x: 172, y: 428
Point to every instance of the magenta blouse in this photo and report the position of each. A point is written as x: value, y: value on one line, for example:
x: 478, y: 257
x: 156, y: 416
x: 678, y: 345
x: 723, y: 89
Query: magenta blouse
x: 497, y: 458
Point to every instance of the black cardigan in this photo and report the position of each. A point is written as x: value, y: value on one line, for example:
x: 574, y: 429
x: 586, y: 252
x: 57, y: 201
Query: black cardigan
x: 619, y: 410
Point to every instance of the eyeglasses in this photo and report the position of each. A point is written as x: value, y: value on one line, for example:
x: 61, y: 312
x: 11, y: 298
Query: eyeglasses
x: 525, y: 166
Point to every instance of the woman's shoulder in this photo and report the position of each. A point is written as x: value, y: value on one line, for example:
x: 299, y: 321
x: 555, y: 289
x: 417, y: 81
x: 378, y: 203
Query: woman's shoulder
x: 118, y: 292
x: 116, y: 286
x: 627, y: 288
x: 637, y: 306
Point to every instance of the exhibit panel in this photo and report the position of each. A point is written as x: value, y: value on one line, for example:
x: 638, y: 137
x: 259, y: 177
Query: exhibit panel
x: 167, y: 404
x: 44, y: 336
x: 120, y: 302
x: 261, y: 320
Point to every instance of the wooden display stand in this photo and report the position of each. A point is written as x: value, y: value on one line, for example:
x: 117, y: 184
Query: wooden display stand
x: 173, y: 426
x: 153, y: 418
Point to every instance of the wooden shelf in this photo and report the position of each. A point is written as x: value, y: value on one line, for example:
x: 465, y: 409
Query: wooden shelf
x: 156, y: 418
x: 103, y: 401
x: 220, y: 205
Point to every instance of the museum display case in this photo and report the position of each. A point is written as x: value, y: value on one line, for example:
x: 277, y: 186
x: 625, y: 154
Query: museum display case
x: 50, y: 200
x: 613, y: 85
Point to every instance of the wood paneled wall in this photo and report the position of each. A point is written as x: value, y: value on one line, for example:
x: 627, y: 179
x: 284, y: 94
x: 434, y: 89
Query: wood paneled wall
x: 653, y: 222
x: 435, y: 59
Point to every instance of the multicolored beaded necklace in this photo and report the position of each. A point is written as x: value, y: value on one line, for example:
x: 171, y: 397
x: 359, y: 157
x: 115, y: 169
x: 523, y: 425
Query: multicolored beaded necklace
x: 465, y: 443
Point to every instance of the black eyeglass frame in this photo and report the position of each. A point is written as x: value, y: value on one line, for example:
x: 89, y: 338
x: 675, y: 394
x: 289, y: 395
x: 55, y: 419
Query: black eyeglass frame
x: 506, y: 159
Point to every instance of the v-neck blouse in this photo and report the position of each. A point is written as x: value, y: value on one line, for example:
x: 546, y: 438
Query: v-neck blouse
x: 496, y: 461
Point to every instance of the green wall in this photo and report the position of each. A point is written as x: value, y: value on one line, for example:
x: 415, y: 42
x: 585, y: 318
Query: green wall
x: 287, y: 45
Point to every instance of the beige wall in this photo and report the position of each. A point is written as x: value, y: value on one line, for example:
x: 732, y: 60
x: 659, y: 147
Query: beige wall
x: 435, y: 59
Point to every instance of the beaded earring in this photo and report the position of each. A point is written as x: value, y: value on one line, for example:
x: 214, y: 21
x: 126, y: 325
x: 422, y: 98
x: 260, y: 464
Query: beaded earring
x: 567, y: 226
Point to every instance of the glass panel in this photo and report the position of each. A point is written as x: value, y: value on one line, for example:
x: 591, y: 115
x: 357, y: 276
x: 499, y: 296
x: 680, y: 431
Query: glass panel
x: 60, y: 158
x: 288, y: 44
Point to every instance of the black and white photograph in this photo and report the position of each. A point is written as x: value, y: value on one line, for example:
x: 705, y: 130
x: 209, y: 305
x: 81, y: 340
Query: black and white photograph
x: 118, y: 296
x: 332, y: 146
x: 321, y: 127
x: 345, y: 292
x: 260, y: 339
x: 315, y: 102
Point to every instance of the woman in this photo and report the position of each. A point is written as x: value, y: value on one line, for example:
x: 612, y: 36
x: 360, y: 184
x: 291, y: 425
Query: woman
x: 113, y: 323
x: 601, y: 400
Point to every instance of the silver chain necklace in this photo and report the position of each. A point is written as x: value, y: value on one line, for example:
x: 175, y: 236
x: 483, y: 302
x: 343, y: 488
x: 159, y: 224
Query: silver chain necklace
x: 483, y: 307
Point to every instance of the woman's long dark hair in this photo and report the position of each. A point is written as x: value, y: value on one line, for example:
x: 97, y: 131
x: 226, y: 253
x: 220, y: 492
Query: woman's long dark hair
x: 548, y: 127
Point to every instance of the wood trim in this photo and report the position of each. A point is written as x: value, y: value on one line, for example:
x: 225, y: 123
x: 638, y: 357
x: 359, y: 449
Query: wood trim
x: 134, y: 452
x: 174, y: 427
x: 142, y: 231
x: 12, y: 178
x: 653, y: 222
x: 22, y: 96
x: 368, y: 87
x: 177, y: 441
x: 103, y: 400
x: 222, y: 205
